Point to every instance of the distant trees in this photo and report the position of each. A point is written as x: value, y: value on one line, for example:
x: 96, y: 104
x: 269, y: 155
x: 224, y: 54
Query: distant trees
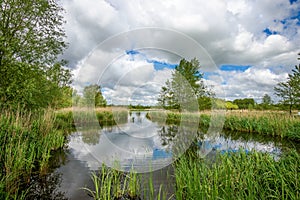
x: 289, y: 91
x: 266, y: 100
x: 92, y: 96
x: 247, y: 103
x: 31, y: 38
x: 185, y: 87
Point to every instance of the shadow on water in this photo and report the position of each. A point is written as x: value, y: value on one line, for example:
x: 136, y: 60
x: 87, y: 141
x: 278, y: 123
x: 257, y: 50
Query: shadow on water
x: 137, y: 142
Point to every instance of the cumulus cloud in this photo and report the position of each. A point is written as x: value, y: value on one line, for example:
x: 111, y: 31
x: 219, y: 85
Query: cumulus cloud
x: 263, y: 34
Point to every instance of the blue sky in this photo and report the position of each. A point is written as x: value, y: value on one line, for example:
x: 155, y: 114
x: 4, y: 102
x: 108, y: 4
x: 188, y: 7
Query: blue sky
x: 253, y: 43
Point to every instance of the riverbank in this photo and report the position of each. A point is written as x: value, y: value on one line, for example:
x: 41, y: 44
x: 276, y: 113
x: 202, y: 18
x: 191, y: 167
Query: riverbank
x: 237, y: 175
x: 276, y: 124
x: 81, y: 117
x: 27, y: 141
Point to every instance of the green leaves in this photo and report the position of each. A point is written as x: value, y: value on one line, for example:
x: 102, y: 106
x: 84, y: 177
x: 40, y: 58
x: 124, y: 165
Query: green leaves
x: 289, y: 91
x: 184, y: 88
x: 32, y: 37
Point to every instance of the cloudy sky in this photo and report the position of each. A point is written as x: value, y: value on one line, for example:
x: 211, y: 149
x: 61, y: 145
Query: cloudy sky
x: 131, y: 47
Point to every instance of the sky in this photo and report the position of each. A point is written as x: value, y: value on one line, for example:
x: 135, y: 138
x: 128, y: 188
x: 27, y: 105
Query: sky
x: 245, y: 47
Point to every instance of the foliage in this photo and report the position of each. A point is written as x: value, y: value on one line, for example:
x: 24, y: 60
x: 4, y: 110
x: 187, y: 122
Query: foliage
x: 27, y: 140
x: 289, y: 90
x: 31, y: 38
x: 238, y: 176
x: 266, y: 100
x: 112, y: 184
x: 185, y: 86
x: 204, y: 103
x: 92, y: 96
x: 273, y: 124
x: 244, y: 103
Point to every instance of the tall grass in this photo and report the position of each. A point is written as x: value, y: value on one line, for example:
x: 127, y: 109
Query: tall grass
x: 113, y: 184
x: 27, y: 140
x: 90, y: 117
x: 268, y: 123
x: 238, y: 176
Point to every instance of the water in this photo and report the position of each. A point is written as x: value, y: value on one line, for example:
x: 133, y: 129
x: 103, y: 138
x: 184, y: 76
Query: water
x: 145, y: 146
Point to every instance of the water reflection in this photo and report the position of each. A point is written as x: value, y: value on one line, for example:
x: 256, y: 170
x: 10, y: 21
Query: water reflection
x: 149, y: 146
x: 140, y: 142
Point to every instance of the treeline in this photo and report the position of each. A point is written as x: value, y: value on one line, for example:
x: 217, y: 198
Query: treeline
x: 186, y: 91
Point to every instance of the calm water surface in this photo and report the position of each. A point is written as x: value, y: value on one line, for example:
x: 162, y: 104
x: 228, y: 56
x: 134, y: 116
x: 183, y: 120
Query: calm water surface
x: 144, y: 145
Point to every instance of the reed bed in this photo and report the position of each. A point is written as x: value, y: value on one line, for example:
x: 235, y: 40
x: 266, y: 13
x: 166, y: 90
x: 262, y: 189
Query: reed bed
x: 85, y: 117
x: 238, y: 176
x: 277, y: 124
x: 111, y: 184
x: 27, y: 140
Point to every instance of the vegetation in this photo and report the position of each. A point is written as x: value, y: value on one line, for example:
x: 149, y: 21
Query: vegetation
x: 289, y: 91
x: 245, y: 103
x: 272, y: 123
x: 81, y: 117
x: 113, y: 184
x: 27, y: 140
x: 185, y: 87
x: 32, y: 37
x: 223, y: 178
x: 238, y: 176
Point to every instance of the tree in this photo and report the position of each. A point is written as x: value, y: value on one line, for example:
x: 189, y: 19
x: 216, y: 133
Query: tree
x: 185, y: 86
x: 31, y: 38
x: 289, y: 91
x: 266, y: 100
x: 244, y: 103
x: 92, y: 96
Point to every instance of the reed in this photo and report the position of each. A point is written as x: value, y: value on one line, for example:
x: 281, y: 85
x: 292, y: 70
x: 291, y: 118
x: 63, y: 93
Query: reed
x: 113, y: 184
x: 277, y: 124
x: 85, y: 117
x: 238, y: 176
x: 27, y: 140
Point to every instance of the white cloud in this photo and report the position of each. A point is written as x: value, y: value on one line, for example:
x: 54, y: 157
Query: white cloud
x: 231, y: 31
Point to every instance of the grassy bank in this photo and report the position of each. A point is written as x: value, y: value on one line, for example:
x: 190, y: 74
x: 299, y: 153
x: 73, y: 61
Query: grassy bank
x: 238, y: 176
x: 81, y: 117
x: 275, y: 124
x: 255, y: 175
x: 27, y: 140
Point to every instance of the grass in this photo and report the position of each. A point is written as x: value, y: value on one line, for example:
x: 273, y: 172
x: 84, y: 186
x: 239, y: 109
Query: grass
x: 80, y: 117
x: 111, y: 184
x: 254, y: 175
x: 27, y: 140
x: 275, y: 124
x: 238, y: 176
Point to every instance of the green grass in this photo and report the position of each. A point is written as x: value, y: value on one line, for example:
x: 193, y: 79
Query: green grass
x: 27, y: 140
x: 273, y: 124
x: 111, y: 184
x: 238, y: 176
x: 88, y: 118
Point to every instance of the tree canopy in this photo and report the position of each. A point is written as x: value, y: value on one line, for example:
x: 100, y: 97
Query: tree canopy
x: 31, y: 39
x: 92, y: 96
x: 185, y: 87
x: 289, y: 91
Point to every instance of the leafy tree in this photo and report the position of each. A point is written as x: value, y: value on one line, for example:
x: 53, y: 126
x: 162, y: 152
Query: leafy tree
x: 244, y: 103
x: 266, y: 100
x: 185, y: 86
x: 31, y: 38
x: 231, y: 106
x: 289, y: 90
x: 92, y: 96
